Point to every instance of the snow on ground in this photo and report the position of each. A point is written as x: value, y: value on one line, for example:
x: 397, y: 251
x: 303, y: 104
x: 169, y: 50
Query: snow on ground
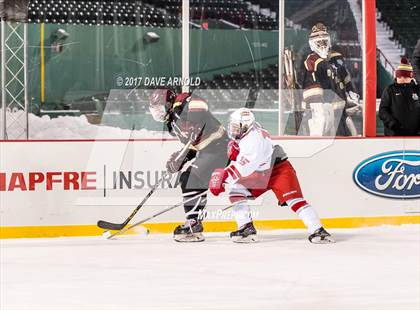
x: 71, y: 127
x: 369, y: 268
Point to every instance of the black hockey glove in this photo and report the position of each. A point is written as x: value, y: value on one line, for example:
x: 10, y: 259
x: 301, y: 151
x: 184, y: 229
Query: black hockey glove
x: 176, y: 162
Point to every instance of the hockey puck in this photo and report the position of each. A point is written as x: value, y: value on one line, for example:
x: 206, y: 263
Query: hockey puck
x: 106, y: 234
x: 141, y: 230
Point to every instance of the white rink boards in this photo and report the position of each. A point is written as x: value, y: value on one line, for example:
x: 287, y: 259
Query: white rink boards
x: 62, y: 188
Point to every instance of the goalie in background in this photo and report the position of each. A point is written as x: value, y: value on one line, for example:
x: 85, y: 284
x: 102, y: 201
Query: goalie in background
x: 327, y: 88
x: 257, y: 166
x: 190, y: 120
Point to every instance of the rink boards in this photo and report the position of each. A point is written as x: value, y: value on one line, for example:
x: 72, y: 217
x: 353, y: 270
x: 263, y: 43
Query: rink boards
x: 62, y: 188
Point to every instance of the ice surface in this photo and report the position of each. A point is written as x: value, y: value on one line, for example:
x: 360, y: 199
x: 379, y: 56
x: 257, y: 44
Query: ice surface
x: 369, y: 268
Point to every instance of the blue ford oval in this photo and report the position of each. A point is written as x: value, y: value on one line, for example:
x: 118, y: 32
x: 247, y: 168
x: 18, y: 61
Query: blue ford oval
x: 392, y: 175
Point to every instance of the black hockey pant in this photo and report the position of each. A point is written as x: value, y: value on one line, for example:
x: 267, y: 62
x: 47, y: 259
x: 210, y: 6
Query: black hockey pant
x: 195, y: 179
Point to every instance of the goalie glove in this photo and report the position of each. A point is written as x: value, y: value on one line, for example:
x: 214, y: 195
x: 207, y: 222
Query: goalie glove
x: 352, y: 98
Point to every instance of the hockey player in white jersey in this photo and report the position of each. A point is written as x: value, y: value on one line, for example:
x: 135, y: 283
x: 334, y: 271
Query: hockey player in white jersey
x: 256, y: 166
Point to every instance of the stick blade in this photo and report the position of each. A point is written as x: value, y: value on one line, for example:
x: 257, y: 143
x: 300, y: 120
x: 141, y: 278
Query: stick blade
x: 110, y: 226
x: 106, y: 234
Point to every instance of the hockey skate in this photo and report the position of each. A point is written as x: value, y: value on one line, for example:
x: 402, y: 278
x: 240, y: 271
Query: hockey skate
x: 190, y: 231
x: 321, y: 236
x: 245, y: 234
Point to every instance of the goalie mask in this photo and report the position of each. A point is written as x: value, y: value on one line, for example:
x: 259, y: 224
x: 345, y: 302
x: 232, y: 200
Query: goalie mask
x: 240, y: 123
x: 320, y: 40
x: 160, y: 101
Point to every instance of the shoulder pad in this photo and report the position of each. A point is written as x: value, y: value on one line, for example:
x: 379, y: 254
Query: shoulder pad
x: 312, y: 62
x: 335, y: 54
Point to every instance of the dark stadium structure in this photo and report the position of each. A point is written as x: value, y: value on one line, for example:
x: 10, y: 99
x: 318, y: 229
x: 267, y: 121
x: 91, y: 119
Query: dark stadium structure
x: 402, y: 16
x: 145, y: 13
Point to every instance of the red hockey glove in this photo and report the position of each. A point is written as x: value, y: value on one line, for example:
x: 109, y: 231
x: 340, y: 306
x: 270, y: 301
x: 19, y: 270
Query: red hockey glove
x: 233, y: 150
x: 216, y: 181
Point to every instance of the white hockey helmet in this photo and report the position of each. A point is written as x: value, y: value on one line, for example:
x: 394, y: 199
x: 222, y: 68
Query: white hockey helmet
x: 240, y: 123
x: 320, y: 40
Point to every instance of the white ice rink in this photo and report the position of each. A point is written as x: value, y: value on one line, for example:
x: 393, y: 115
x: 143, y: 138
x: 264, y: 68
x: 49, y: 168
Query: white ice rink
x: 370, y: 268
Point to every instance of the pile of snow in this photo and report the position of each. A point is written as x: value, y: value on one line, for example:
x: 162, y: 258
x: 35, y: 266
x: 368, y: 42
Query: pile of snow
x: 70, y: 127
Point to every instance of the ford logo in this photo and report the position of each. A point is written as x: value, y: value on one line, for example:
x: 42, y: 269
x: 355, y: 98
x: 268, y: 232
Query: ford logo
x: 392, y: 175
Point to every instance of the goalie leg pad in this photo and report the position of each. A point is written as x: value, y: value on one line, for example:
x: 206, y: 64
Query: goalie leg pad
x: 322, y: 121
x: 350, y: 126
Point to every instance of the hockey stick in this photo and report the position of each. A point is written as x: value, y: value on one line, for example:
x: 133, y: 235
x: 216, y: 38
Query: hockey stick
x: 228, y: 207
x: 116, y: 226
x: 110, y: 236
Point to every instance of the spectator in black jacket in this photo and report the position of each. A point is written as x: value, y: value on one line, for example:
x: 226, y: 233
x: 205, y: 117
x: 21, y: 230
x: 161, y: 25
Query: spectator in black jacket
x: 400, y: 105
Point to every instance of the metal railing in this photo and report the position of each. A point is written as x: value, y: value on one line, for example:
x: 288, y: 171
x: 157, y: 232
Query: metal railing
x: 387, y: 64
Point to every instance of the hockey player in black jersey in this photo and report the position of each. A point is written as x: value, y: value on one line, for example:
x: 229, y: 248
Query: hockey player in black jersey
x: 328, y: 90
x: 190, y: 120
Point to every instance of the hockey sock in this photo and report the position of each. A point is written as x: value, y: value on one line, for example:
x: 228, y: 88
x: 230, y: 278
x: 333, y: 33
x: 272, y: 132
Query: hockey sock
x: 310, y: 218
x: 192, y: 208
x: 242, y: 213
